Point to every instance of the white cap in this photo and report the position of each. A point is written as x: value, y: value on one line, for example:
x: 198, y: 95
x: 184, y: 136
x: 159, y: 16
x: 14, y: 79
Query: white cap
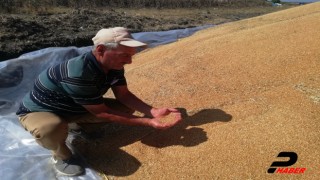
x: 119, y: 35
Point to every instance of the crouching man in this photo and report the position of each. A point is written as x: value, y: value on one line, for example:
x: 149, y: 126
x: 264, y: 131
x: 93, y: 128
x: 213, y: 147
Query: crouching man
x: 72, y: 92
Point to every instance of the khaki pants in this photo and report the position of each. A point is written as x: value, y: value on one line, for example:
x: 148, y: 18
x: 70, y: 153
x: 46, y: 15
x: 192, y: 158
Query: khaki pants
x: 51, y: 130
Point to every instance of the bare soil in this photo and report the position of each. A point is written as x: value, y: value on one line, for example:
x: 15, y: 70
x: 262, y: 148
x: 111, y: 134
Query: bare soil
x: 21, y: 33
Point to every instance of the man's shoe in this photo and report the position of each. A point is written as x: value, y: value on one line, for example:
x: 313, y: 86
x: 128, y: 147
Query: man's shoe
x: 69, y: 167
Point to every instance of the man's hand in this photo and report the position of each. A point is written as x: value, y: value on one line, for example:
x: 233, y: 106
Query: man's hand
x: 161, y: 112
x: 174, y: 118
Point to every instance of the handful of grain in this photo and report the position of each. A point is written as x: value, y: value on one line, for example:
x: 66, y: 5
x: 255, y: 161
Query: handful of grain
x: 168, y: 118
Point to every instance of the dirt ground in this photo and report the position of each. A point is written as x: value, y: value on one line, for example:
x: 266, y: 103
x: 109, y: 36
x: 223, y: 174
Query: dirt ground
x: 21, y: 33
x: 248, y: 90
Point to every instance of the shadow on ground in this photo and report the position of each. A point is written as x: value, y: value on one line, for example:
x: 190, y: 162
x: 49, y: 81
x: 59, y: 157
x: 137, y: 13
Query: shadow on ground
x: 106, y: 156
x: 187, y: 133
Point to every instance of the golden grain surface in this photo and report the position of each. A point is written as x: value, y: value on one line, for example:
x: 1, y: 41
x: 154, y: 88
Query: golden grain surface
x: 248, y: 89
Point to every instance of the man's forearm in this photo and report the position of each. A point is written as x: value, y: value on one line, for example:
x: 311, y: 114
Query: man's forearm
x: 135, y: 103
x: 125, y: 120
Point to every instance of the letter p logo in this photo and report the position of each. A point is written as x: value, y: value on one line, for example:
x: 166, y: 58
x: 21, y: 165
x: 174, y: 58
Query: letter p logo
x: 293, y: 157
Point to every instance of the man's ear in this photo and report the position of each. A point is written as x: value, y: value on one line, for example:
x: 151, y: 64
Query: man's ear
x: 100, y: 49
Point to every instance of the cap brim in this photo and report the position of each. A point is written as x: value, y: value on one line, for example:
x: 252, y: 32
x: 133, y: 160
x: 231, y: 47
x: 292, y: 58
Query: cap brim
x: 132, y: 43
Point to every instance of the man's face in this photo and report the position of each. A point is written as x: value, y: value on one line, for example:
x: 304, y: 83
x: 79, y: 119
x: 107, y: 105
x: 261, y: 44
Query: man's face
x: 117, y: 58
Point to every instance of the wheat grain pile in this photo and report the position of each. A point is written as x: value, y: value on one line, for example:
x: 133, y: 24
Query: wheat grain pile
x: 248, y: 90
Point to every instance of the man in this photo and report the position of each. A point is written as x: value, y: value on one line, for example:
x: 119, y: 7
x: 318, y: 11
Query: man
x: 72, y: 92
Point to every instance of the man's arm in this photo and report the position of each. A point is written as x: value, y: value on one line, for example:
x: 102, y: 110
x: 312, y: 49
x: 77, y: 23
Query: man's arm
x: 127, y: 98
x: 123, y: 95
x: 104, y: 112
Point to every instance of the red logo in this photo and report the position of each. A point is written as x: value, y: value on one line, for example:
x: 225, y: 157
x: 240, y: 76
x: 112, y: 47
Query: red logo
x: 281, y: 167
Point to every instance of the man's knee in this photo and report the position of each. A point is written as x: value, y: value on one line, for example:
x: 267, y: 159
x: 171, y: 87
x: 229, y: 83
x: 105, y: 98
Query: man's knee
x: 43, y: 124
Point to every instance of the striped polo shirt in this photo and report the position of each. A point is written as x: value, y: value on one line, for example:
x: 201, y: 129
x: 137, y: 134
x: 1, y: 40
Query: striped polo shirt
x: 65, y: 87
